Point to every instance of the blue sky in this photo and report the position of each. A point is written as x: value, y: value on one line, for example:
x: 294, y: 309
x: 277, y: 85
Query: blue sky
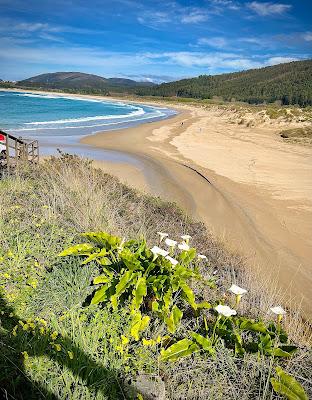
x: 150, y: 40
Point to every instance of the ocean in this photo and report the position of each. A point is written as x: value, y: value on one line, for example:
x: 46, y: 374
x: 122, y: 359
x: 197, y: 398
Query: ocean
x: 60, y: 121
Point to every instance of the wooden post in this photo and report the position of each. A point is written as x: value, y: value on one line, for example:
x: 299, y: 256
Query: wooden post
x: 7, y: 151
x: 15, y: 149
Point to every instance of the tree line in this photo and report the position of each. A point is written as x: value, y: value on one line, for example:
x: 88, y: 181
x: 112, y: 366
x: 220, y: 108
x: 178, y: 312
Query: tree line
x: 289, y: 83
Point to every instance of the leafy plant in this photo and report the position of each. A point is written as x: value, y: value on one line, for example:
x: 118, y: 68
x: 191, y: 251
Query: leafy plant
x: 153, y: 284
x: 288, y: 386
x: 133, y: 274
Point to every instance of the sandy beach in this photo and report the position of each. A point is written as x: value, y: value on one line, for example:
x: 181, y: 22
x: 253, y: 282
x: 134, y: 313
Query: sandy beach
x: 252, y: 190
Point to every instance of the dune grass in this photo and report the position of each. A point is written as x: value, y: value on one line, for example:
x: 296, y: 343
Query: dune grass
x: 55, y: 345
x: 298, y: 135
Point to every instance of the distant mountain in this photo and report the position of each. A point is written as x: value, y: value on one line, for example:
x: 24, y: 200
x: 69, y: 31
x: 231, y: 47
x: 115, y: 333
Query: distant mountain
x: 81, y: 81
x: 291, y: 83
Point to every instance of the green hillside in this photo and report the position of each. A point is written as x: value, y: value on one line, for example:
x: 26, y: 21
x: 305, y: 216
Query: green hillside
x: 79, y: 81
x: 291, y: 83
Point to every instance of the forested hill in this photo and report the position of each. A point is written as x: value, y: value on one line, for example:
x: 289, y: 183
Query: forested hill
x: 82, y: 82
x: 291, y: 83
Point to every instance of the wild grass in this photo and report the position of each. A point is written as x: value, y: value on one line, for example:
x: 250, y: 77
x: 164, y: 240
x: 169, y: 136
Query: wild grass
x: 298, y: 135
x: 43, y: 210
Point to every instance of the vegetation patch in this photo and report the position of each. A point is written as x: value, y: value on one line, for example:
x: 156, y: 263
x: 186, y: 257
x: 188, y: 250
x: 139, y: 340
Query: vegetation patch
x: 298, y: 135
x: 91, y: 316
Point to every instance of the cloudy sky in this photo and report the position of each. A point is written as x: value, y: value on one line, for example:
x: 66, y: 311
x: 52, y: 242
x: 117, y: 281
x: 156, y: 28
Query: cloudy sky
x: 150, y: 40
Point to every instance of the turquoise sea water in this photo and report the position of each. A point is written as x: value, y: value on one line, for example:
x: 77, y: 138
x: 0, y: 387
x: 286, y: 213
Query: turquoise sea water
x: 63, y: 120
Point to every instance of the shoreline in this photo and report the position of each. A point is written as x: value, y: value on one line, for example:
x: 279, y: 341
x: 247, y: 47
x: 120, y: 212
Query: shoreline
x: 96, y: 97
x: 220, y: 174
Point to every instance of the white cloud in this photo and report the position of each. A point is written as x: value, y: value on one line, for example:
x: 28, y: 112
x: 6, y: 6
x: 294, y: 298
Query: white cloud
x: 268, y: 8
x: 194, y: 17
x: 172, y: 13
x: 307, y: 36
x: 218, y: 42
x: 154, y: 19
x: 280, y: 60
x: 30, y: 27
x: 226, y: 4
x: 20, y: 28
x: 204, y: 60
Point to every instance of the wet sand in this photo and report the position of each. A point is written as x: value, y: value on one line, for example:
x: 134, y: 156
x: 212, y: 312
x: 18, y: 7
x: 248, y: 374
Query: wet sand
x: 250, y: 188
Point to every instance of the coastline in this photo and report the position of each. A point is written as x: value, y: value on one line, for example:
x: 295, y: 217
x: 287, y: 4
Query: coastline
x: 232, y: 178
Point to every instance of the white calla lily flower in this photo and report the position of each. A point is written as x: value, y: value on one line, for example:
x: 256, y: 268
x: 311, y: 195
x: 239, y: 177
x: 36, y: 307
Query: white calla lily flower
x: 170, y: 242
x: 226, y: 311
x: 183, y: 246
x: 162, y: 235
x: 238, y: 291
x: 157, y: 251
x: 186, y: 238
x: 278, y: 310
x: 173, y: 261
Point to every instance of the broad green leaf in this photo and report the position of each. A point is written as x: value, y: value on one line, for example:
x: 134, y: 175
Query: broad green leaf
x: 189, y: 294
x: 288, y: 386
x: 130, y: 260
x: 158, y: 284
x: 187, y: 256
x: 183, y: 272
x: 278, y: 352
x: 103, y: 239
x: 174, y: 319
x: 204, y: 304
x: 138, y: 325
x: 183, y: 348
x: 204, y: 342
x: 101, y: 279
x: 150, y: 268
x: 114, y: 302
x: 265, y: 342
x: 290, y: 349
x: 144, y: 323
x: 125, y: 281
x: 238, y: 344
x: 177, y: 315
x: 91, y: 257
x: 100, y: 295
x: 78, y: 250
x: 167, y: 300
x: 95, y: 256
x: 253, y: 326
x: 139, y: 292
x: 155, y: 305
x: 104, y: 261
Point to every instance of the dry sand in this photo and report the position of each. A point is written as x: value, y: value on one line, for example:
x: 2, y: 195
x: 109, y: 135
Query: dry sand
x: 249, y: 187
